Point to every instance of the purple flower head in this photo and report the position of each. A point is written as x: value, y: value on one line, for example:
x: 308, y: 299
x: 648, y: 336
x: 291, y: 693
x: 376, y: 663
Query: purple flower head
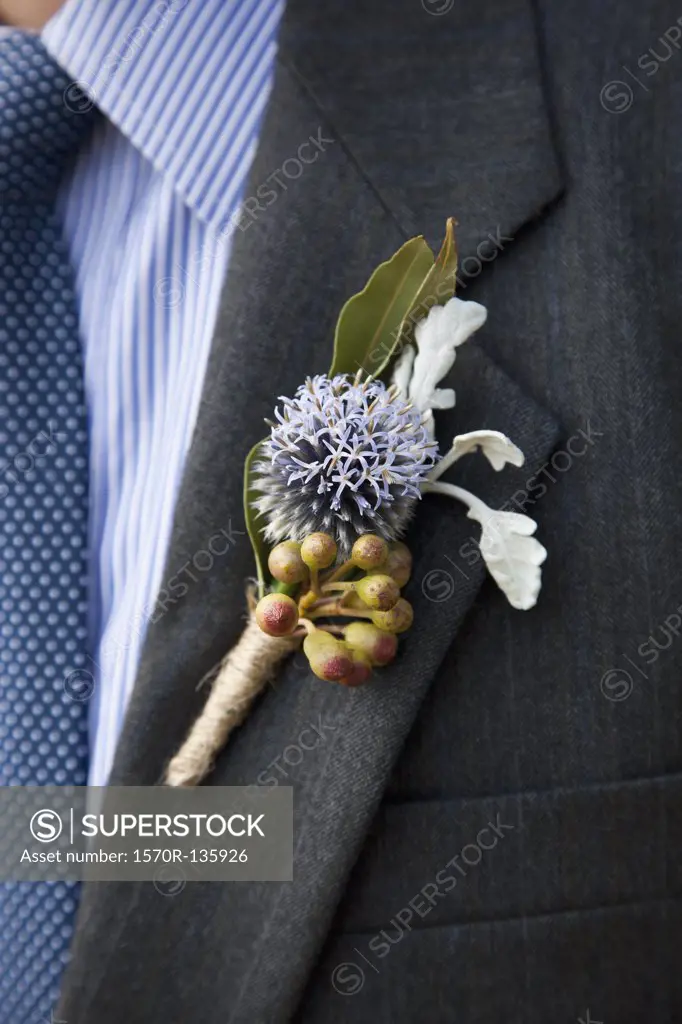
x: 343, y: 458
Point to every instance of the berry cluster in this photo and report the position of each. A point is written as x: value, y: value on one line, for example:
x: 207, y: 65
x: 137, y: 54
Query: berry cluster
x: 311, y: 590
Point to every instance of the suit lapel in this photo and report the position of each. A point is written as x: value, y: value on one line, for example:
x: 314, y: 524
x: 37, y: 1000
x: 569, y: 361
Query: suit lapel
x: 384, y: 168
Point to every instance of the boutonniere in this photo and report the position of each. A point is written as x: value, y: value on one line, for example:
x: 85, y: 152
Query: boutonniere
x: 330, y: 492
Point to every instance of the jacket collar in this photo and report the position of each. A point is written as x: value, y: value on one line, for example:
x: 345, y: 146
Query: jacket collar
x: 440, y: 131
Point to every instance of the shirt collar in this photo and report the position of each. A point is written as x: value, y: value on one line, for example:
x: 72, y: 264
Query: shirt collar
x: 186, y: 81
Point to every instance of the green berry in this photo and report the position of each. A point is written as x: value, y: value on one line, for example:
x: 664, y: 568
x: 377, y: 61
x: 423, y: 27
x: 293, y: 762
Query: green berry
x: 397, y: 619
x: 369, y: 551
x: 378, y: 591
x: 398, y: 564
x: 329, y: 658
x: 376, y: 644
x: 285, y: 562
x: 277, y: 614
x: 318, y: 551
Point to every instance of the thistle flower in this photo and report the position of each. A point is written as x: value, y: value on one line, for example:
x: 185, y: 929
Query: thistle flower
x: 343, y: 458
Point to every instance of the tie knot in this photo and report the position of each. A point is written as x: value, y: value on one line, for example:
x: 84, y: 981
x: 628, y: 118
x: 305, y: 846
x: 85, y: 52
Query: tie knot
x: 41, y: 126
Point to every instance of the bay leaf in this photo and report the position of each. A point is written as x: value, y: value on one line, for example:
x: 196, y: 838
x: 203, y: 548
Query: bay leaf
x: 369, y: 324
x: 437, y: 287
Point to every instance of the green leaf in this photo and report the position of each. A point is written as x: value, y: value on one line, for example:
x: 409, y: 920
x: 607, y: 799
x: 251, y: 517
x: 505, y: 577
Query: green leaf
x: 369, y: 325
x: 254, y: 521
x: 437, y: 287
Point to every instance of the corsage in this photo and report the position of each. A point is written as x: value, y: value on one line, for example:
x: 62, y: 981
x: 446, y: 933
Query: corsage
x: 330, y: 492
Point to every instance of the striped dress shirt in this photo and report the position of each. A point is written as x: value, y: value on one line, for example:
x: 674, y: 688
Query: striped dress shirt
x: 149, y: 211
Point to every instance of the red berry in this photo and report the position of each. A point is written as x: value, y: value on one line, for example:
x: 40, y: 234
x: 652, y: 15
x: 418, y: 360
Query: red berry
x: 277, y: 614
x: 360, y: 673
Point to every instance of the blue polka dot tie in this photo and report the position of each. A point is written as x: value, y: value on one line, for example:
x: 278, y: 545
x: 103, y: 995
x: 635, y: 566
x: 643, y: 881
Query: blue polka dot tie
x: 44, y: 682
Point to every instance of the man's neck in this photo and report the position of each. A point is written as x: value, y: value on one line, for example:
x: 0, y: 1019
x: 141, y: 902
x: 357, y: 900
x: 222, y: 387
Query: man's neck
x: 32, y: 14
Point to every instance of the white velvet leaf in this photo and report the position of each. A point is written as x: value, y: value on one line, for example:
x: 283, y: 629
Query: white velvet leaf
x: 402, y: 371
x: 436, y: 337
x: 496, y: 447
x: 513, y: 556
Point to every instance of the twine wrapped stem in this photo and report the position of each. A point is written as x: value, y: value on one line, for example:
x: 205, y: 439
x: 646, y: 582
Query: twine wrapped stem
x: 242, y: 675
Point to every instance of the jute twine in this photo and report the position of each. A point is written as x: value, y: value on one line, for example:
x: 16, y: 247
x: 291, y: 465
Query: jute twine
x: 242, y: 675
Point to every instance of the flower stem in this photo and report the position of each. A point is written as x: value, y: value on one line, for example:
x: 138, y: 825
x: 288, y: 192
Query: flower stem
x: 338, y: 609
x: 477, y: 508
x: 319, y: 607
x: 307, y: 601
x: 315, y: 582
x: 340, y: 571
x: 342, y: 588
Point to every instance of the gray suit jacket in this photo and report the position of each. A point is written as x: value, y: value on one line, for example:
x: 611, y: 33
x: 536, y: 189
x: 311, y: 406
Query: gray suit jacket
x: 489, y: 832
